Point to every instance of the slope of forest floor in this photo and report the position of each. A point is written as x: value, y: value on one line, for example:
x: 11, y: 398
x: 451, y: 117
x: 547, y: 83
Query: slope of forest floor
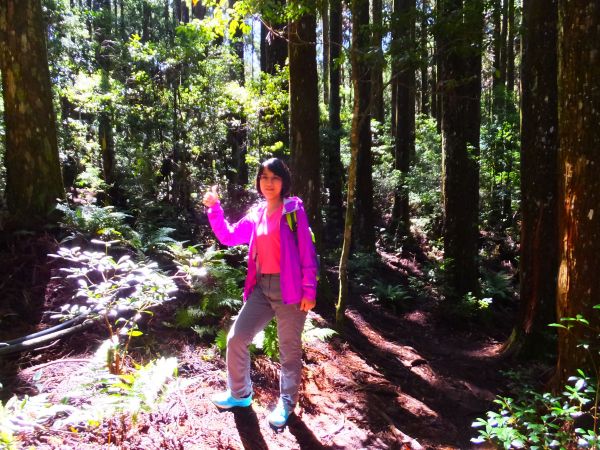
x: 400, y: 380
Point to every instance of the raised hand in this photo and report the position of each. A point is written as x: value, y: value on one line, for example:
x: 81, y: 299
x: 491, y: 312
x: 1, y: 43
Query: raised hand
x: 211, y: 197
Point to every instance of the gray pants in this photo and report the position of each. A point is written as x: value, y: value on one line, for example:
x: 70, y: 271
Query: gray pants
x: 263, y: 303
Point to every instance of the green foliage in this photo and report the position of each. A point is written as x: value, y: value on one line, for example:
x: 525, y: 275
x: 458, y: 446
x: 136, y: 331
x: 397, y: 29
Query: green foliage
x: 497, y: 285
x: 97, y: 221
x: 499, y: 170
x: 393, y: 295
x: 363, y: 266
x: 221, y: 341
x: 118, y: 291
x: 138, y: 390
x: 424, y: 179
x: 313, y: 332
x: 542, y: 421
x: 218, y: 284
x: 266, y: 341
x: 99, y: 396
x: 468, y: 309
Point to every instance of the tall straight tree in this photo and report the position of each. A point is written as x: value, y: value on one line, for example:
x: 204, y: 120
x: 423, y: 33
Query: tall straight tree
x: 334, y: 178
x: 326, y: 50
x: 424, y: 56
x: 274, y: 53
x: 304, y: 115
x: 460, y: 78
x: 578, y: 288
x: 360, y: 115
x: 103, y: 35
x: 33, y: 177
x: 539, y: 158
x: 404, y: 126
x: 237, y: 135
x: 365, y: 229
x: 273, y: 45
x: 377, y: 109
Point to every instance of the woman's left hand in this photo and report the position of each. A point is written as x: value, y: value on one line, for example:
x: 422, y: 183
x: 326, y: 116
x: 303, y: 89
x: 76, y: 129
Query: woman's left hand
x: 307, y: 305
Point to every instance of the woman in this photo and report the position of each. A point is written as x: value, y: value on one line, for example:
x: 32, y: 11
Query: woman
x: 281, y: 282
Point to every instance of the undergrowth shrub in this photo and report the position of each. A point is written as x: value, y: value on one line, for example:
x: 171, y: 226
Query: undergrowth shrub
x: 534, y: 420
x: 217, y: 283
x: 118, y: 291
x: 544, y: 421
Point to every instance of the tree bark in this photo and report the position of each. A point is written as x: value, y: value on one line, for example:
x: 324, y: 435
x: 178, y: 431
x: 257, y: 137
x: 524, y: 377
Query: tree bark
x: 237, y: 133
x: 510, y: 49
x: 334, y: 178
x: 377, y: 110
x: 360, y: 114
x: 304, y: 117
x: 424, y: 58
x: 578, y: 288
x: 460, y: 76
x: 361, y: 74
x: 273, y: 44
x: 33, y: 177
x: 539, y: 180
x: 326, y: 50
x: 404, y: 72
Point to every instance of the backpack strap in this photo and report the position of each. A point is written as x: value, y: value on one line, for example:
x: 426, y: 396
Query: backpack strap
x: 292, y: 221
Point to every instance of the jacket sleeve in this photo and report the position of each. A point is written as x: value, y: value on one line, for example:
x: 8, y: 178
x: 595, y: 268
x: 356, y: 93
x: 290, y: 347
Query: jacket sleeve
x: 308, y: 257
x: 229, y: 234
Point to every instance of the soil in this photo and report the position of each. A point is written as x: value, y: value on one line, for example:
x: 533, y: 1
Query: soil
x: 396, y: 380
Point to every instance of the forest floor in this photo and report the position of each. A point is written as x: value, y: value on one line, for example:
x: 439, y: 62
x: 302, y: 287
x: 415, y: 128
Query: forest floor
x: 398, y: 380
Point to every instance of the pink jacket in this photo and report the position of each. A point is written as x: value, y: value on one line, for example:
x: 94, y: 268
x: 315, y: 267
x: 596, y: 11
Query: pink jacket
x: 298, y: 275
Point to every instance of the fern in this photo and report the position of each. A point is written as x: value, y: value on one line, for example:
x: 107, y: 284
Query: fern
x: 187, y: 317
x: 312, y: 332
x: 205, y: 330
x: 221, y: 340
x: 97, y: 221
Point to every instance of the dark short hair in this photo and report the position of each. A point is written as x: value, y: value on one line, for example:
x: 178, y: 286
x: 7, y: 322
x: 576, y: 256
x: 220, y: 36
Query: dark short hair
x: 278, y: 167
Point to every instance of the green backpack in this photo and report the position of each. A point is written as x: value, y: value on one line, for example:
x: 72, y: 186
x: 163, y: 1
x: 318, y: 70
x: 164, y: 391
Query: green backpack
x: 292, y: 220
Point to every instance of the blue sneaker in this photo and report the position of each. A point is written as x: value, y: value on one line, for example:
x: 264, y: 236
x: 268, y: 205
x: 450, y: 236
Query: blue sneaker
x: 224, y: 400
x: 279, y: 415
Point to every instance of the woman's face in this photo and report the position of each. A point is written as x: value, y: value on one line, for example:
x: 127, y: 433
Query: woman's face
x: 270, y: 185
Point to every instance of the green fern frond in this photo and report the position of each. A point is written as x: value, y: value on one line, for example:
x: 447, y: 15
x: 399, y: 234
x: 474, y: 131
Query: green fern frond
x: 205, y: 330
x: 221, y: 340
x: 312, y: 332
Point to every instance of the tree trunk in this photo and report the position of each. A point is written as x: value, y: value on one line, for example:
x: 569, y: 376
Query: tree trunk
x: 361, y: 74
x: 185, y: 12
x: 326, y: 50
x: 273, y: 55
x: 377, y: 110
x: 237, y: 135
x: 510, y: 49
x: 424, y: 58
x: 146, y: 16
x: 404, y: 72
x: 539, y: 179
x: 497, y: 46
x: 304, y: 117
x: 360, y: 114
x: 578, y: 288
x: 33, y: 177
x: 333, y: 180
x: 460, y: 76
x: 103, y: 27
x: 199, y: 10
x: 273, y: 44
x: 176, y: 12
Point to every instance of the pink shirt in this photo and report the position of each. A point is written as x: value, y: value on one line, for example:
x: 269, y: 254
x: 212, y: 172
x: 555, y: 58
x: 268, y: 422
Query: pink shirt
x: 268, y: 242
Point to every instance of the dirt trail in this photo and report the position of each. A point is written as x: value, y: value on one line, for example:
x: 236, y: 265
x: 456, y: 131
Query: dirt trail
x: 394, y: 382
